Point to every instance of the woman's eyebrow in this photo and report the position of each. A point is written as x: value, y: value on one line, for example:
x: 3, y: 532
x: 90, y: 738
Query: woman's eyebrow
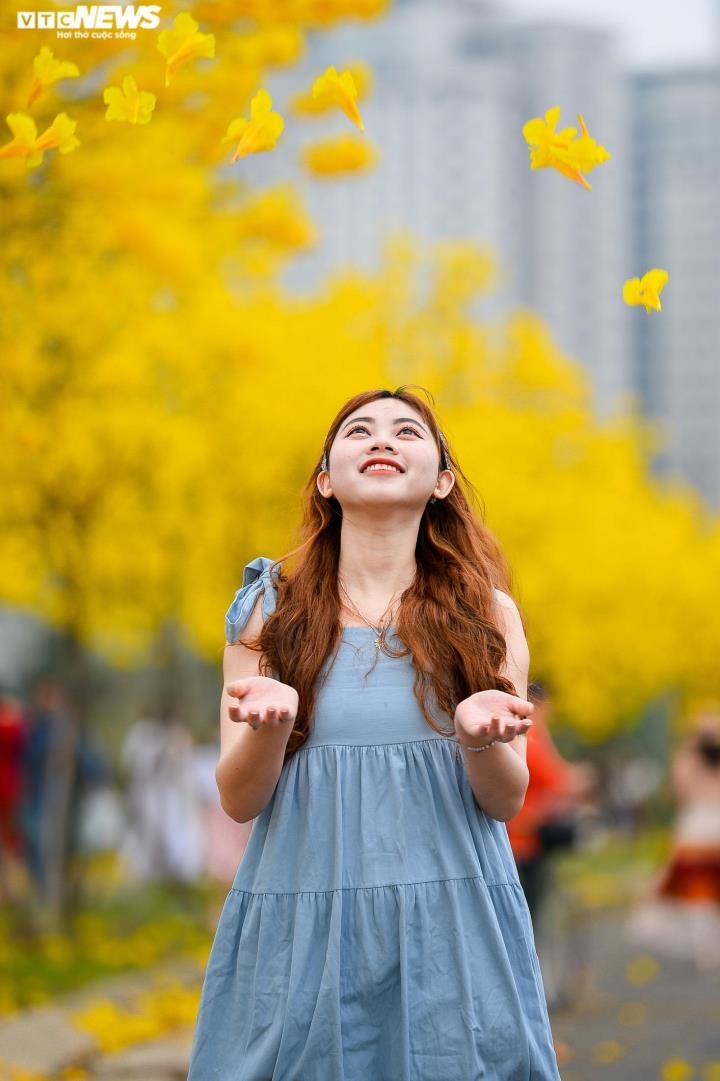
x: 396, y: 421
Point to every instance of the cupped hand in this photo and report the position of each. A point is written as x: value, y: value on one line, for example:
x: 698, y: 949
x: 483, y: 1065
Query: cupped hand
x: 491, y: 716
x: 262, y: 702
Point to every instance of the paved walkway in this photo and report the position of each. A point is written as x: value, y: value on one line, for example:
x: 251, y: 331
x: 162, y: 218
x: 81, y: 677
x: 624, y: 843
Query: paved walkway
x: 45, y: 1040
x: 640, y: 1018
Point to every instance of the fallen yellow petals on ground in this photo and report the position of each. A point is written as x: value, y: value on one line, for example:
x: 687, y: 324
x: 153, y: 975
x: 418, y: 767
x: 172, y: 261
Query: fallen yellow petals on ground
x: 646, y: 290
x: 338, y: 89
x: 339, y: 155
x: 184, y: 43
x: 608, y: 1051
x: 48, y: 70
x: 31, y: 146
x: 135, y: 106
x: 632, y: 1013
x: 155, y: 1013
x: 19, y: 1073
x: 676, y: 1069
x: 306, y: 104
x: 260, y: 133
x: 642, y: 969
x: 573, y: 157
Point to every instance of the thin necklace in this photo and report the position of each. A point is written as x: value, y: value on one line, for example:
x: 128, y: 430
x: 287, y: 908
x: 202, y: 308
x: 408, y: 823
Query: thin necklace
x: 381, y: 630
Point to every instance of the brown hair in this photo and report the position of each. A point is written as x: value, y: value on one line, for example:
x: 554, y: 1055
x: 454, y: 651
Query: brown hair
x: 447, y: 617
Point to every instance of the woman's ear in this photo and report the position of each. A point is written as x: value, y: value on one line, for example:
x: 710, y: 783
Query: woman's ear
x: 447, y: 482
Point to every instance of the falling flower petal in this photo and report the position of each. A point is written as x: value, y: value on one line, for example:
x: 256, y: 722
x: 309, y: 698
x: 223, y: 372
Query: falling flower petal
x: 340, y: 90
x: 183, y: 43
x: 561, y: 150
x: 334, y: 157
x: 261, y: 132
x: 646, y: 290
x: 135, y: 106
x: 49, y: 70
x: 27, y: 144
x: 25, y: 131
x: 306, y: 104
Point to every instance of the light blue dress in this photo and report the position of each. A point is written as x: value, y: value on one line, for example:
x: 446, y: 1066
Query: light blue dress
x: 376, y: 929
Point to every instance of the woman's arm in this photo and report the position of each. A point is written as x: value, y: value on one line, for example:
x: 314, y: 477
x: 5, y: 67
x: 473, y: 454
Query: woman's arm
x: 499, y: 776
x: 251, y: 759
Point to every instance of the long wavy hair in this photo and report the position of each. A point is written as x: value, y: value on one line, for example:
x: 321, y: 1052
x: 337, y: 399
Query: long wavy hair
x: 447, y: 619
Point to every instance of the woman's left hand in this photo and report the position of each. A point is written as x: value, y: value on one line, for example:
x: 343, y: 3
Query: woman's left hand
x: 491, y: 716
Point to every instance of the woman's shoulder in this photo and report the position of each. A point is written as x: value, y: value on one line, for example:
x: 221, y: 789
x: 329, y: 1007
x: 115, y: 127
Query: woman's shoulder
x: 510, y: 614
x: 259, y: 578
x: 503, y: 599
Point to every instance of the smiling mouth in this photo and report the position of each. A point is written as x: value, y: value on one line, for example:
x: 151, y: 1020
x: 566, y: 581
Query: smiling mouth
x: 381, y: 469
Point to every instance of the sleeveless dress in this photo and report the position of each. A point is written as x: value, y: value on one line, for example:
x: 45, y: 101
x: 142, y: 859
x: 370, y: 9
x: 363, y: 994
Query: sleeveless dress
x: 376, y: 929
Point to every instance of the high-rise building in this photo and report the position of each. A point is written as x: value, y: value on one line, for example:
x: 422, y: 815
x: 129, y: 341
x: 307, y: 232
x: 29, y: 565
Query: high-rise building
x: 455, y: 83
x: 569, y: 247
x: 676, y: 200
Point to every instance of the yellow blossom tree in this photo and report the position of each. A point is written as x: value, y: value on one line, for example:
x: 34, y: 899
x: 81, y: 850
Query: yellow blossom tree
x: 154, y: 372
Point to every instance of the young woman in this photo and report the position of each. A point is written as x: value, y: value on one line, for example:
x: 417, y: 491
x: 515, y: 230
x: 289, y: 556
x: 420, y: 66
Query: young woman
x: 376, y: 929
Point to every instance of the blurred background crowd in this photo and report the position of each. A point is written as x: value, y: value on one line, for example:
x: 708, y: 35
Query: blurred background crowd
x: 62, y: 798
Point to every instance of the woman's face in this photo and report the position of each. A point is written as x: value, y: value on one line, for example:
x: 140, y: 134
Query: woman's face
x: 388, y: 429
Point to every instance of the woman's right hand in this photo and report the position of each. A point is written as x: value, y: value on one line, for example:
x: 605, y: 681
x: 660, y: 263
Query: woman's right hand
x: 263, y: 702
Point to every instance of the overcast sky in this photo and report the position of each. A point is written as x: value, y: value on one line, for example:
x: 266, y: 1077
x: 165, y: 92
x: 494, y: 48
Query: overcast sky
x: 650, y: 31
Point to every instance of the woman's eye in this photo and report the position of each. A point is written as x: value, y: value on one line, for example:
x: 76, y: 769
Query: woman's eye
x: 363, y: 428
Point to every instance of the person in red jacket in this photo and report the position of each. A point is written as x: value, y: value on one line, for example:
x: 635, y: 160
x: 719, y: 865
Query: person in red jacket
x: 556, y: 787
x: 13, y: 732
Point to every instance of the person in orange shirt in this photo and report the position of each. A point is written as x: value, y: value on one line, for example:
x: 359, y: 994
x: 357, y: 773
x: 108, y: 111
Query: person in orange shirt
x: 556, y: 788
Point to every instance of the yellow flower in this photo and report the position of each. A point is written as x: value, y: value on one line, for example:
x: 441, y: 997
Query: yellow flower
x: 129, y: 104
x: 47, y: 71
x: 276, y: 46
x: 561, y: 150
x: 276, y: 217
x: 333, y: 157
x: 676, y: 1069
x: 183, y: 43
x: 261, y: 132
x: 321, y: 14
x: 340, y: 90
x: 306, y: 104
x: 27, y: 144
x: 646, y: 290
